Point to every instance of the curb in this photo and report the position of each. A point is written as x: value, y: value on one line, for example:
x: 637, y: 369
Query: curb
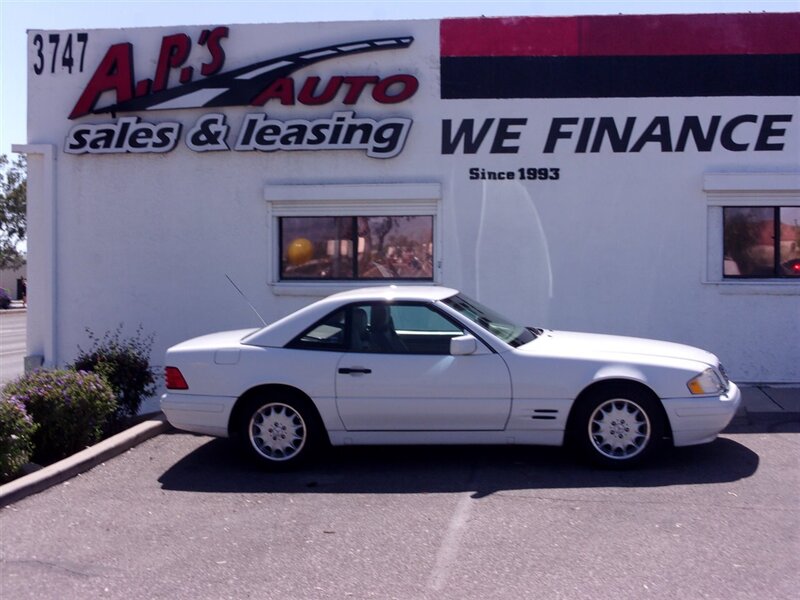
x: 82, y: 461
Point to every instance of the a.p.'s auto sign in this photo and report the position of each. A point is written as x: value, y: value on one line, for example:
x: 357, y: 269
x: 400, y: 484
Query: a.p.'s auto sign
x: 487, y: 66
x: 254, y: 85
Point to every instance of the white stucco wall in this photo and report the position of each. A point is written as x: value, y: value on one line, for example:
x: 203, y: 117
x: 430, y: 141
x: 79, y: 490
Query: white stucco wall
x: 619, y: 243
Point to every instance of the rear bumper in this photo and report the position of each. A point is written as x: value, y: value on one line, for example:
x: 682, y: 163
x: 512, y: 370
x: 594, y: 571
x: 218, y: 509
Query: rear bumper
x: 199, y: 414
x: 698, y: 420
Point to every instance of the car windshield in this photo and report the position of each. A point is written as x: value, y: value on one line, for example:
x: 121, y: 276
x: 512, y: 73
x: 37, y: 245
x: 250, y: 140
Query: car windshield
x: 497, y: 325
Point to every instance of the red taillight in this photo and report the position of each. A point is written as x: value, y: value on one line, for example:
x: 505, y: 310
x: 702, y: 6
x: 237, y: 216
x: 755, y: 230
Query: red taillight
x: 175, y: 380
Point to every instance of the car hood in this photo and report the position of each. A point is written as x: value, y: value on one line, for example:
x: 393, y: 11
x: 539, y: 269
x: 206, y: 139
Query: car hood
x: 594, y: 345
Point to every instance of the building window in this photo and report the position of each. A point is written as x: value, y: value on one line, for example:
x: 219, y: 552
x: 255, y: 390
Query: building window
x: 356, y: 247
x: 761, y: 242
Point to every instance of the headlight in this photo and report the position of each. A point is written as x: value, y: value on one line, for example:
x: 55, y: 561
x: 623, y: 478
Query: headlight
x: 708, y: 382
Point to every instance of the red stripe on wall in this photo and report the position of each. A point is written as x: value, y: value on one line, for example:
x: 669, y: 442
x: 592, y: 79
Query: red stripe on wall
x: 623, y: 35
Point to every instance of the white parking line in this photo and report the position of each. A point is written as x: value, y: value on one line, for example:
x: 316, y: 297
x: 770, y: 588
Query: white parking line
x: 448, y: 551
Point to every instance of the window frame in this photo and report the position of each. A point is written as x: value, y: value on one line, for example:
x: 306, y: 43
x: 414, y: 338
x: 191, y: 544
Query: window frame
x: 776, y: 243
x: 296, y: 343
x: 348, y: 200
x: 744, y: 190
x: 430, y: 306
x: 355, y: 257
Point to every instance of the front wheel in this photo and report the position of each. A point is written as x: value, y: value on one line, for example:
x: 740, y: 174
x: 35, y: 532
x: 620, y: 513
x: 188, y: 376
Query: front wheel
x: 618, y: 429
x: 279, y: 434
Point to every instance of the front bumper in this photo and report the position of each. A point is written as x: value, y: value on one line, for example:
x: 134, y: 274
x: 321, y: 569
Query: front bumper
x: 699, y: 419
x: 208, y: 415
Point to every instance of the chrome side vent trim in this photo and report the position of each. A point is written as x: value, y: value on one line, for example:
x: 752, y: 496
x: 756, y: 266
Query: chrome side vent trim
x: 546, y: 414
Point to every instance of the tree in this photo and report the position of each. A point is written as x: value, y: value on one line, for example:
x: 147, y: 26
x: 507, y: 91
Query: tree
x: 13, y: 207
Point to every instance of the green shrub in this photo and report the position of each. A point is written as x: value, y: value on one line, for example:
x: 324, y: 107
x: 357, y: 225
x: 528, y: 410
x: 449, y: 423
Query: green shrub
x: 71, y: 409
x: 125, y: 364
x: 16, y: 430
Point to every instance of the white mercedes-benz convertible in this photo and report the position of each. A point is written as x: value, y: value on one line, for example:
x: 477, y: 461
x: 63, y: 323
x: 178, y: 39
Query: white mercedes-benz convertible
x: 428, y: 365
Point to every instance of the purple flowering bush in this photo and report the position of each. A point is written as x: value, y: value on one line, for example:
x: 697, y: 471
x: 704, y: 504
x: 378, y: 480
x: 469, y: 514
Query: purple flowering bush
x: 71, y: 409
x: 125, y: 364
x: 16, y: 430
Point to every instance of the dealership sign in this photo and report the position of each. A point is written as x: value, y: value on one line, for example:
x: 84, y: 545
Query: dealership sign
x: 481, y: 61
x: 253, y: 85
x: 619, y: 57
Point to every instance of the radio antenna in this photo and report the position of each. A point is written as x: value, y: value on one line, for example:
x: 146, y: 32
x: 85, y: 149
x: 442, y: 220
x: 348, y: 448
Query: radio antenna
x: 253, y: 308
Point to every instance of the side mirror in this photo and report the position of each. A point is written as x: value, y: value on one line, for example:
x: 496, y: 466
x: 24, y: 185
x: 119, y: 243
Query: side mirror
x: 463, y: 345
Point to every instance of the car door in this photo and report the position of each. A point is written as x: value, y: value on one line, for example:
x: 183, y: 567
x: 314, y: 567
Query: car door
x: 398, y: 374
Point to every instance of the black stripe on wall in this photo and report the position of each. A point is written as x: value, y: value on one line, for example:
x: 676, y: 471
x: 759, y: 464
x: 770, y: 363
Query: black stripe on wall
x: 620, y: 76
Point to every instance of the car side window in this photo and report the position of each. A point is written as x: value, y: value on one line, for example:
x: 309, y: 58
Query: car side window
x: 327, y: 334
x: 400, y: 328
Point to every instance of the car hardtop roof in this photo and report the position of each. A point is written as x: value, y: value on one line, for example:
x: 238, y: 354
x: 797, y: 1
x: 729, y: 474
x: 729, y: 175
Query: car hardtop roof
x: 281, y: 332
x: 395, y: 292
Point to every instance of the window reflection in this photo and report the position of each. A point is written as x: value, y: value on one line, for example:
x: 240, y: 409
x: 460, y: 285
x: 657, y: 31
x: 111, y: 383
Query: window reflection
x: 382, y: 247
x: 790, y: 241
x: 761, y: 242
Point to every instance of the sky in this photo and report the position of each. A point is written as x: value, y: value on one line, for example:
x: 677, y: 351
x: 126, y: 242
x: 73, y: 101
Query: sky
x: 17, y: 16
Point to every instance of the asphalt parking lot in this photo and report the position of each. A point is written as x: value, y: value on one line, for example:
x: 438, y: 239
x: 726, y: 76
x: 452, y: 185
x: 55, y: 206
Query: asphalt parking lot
x: 181, y: 516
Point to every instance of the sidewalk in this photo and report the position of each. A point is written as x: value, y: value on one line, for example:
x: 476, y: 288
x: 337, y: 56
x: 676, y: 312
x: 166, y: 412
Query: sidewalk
x: 769, y: 399
x: 16, y: 307
x: 768, y: 409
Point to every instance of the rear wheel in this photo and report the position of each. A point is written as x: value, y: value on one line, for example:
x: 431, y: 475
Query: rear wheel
x: 279, y: 433
x: 619, y: 428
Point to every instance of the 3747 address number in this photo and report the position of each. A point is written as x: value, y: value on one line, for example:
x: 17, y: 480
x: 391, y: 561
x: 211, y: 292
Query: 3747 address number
x: 68, y: 55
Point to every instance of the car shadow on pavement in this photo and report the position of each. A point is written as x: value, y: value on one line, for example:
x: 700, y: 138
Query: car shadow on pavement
x: 218, y: 467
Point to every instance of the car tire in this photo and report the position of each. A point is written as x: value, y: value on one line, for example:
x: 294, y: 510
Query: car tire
x: 619, y: 427
x: 279, y: 433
